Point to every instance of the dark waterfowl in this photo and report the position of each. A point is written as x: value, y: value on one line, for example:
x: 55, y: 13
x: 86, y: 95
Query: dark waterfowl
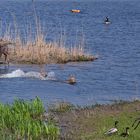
x: 112, y: 130
x: 107, y: 21
x: 136, y: 121
x: 126, y: 133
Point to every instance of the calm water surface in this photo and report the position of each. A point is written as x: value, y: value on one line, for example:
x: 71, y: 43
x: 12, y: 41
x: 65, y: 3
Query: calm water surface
x: 115, y: 75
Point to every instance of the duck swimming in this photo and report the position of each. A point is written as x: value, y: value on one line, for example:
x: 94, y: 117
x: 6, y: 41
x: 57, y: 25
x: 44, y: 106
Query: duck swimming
x: 112, y: 130
x: 107, y: 21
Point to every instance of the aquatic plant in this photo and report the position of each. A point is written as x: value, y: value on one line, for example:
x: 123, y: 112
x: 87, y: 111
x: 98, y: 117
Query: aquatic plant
x: 41, y: 52
x: 24, y: 120
x: 34, y: 49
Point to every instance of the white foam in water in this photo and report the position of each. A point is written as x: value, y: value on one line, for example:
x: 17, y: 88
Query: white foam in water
x: 31, y: 74
x: 51, y: 76
x: 34, y: 75
x: 16, y: 73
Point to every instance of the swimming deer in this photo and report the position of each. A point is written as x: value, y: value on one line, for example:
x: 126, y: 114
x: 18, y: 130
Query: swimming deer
x: 71, y: 80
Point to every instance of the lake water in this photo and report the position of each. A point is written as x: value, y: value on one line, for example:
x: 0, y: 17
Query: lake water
x: 114, y: 76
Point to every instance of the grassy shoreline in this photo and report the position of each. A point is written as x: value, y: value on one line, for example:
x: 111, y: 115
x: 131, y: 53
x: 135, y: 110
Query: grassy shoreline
x: 25, y: 120
x: 91, y: 122
x: 64, y: 121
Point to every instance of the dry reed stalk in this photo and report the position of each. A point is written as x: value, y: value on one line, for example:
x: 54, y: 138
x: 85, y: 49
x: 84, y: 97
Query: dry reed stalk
x: 38, y: 51
x: 41, y: 52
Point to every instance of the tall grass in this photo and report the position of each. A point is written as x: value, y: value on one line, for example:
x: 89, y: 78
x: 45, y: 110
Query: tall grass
x: 34, y: 49
x: 24, y: 120
x: 41, y: 52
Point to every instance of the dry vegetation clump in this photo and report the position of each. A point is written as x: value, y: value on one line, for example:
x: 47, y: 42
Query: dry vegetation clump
x: 41, y: 52
x: 35, y: 50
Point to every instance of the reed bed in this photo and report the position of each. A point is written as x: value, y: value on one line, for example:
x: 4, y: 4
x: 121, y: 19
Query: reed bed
x: 34, y: 48
x: 24, y: 120
x: 40, y: 52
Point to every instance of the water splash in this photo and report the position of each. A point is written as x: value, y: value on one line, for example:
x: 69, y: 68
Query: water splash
x: 51, y: 76
x: 13, y: 74
x: 30, y: 74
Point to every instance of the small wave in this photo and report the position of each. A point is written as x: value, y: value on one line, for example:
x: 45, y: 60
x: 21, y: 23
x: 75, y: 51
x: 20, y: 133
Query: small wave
x: 30, y: 74
x: 51, y: 76
x: 13, y: 74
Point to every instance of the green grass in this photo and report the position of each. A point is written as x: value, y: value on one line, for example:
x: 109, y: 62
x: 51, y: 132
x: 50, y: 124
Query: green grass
x: 104, y: 123
x: 28, y: 120
x: 24, y: 120
x: 91, y: 122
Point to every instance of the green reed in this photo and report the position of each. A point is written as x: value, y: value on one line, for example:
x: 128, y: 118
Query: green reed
x: 24, y: 120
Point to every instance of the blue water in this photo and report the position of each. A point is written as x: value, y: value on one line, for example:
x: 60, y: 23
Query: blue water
x: 114, y: 76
